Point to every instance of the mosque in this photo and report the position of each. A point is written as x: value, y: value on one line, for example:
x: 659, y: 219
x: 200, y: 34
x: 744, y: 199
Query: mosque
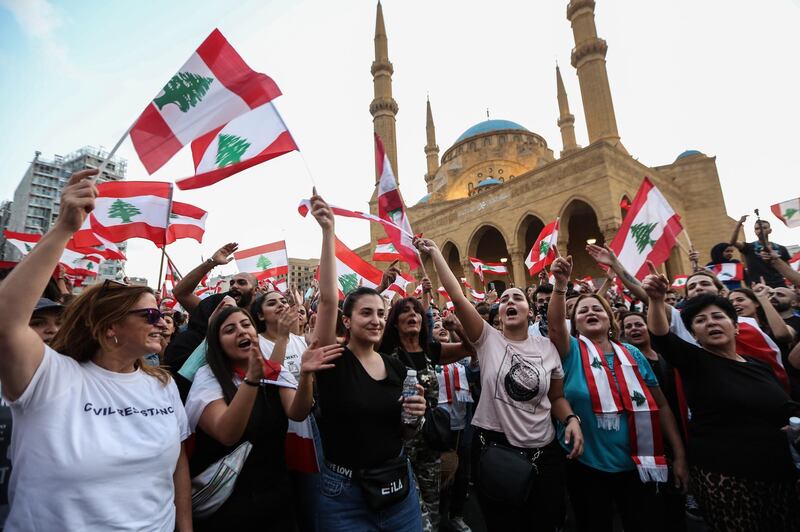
x: 492, y: 191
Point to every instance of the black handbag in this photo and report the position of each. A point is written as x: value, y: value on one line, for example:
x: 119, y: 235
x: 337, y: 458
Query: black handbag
x: 506, y: 474
x: 385, y: 485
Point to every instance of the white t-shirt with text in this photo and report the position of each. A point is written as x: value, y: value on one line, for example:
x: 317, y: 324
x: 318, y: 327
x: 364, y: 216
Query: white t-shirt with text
x: 94, y: 449
x: 294, y: 352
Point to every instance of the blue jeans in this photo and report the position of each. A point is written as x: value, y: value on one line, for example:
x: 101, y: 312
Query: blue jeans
x: 342, y: 507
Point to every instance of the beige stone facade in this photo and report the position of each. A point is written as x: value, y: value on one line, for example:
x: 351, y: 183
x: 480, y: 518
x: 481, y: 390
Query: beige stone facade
x: 493, y: 191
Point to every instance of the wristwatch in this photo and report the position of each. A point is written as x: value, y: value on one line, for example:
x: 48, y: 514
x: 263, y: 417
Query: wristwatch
x: 250, y: 383
x: 576, y: 416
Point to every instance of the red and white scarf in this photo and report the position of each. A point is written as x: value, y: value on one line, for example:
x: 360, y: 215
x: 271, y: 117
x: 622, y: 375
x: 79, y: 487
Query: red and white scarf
x: 634, y: 397
x: 453, y: 384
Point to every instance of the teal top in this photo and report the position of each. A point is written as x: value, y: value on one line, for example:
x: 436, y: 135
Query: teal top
x: 606, y: 450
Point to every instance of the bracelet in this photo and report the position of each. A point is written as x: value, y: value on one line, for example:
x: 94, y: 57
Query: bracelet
x: 566, y: 419
x: 250, y: 383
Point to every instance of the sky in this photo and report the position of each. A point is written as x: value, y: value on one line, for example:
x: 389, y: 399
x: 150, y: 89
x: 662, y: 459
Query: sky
x: 717, y: 76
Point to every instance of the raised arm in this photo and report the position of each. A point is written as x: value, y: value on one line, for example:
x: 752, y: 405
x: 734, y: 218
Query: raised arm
x: 328, y: 302
x: 469, y: 317
x: 21, y: 349
x: 734, y: 241
x: 779, y: 329
x: 604, y: 255
x: 455, y: 351
x: 656, y: 286
x: 782, y: 267
x: 561, y: 269
x: 184, y: 290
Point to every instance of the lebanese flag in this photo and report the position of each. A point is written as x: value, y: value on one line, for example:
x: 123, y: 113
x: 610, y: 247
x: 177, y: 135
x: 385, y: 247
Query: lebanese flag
x: 679, y: 281
x: 186, y: 221
x: 788, y: 211
x: 398, y: 287
x: 386, y: 252
x: 476, y: 295
x: 477, y: 267
x: 448, y: 303
x: 250, y: 139
x: 172, y: 273
x: 649, y: 231
x: 80, y: 262
x: 495, y: 268
x: 24, y: 242
x: 728, y: 271
x: 392, y: 208
x: 352, y: 271
x: 542, y: 254
x: 269, y: 260
x: 752, y: 341
x: 305, y: 207
x: 211, y: 89
x: 127, y: 209
x: 278, y: 284
x: 794, y: 262
x: 453, y: 384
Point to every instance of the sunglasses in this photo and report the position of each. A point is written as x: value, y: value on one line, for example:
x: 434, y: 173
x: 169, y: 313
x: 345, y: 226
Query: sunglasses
x: 152, y: 315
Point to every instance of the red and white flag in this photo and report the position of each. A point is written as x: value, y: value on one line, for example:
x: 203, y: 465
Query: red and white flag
x: 788, y: 212
x: 476, y: 295
x: 448, y: 303
x: 649, y: 231
x: 453, y: 384
x: 728, y: 271
x: 78, y: 262
x: 127, y: 209
x: 477, y: 267
x: 352, y: 271
x: 794, y: 262
x: 269, y: 260
x: 495, y: 268
x: 679, y: 281
x: 247, y: 140
x: 278, y: 284
x: 398, y: 287
x: 392, y: 208
x: 305, y: 207
x: 186, y: 221
x: 211, y: 89
x: 543, y: 253
x: 386, y: 252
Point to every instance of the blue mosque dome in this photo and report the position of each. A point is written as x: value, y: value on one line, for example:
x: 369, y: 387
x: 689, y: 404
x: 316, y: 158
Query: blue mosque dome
x: 424, y: 199
x: 488, y: 126
x: 688, y: 153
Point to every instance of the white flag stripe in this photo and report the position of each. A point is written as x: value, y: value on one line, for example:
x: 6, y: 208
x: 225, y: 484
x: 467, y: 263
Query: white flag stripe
x: 655, y: 210
x: 270, y: 260
x: 218, y: 105
x: 153, y: 210
x: 259, y: 127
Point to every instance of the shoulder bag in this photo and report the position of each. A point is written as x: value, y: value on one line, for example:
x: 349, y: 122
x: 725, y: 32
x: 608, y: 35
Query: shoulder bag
x: 506, y: 474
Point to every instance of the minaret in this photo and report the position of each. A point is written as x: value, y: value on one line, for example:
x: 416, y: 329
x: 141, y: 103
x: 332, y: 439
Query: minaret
x: 566, y: 121
x: 589, y: 58
x: 383, y: 107
x: 431, y: 149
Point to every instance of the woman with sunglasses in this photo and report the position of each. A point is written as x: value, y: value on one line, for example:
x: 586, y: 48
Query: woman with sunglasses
x: 97, y: 433
x: 366, y: 482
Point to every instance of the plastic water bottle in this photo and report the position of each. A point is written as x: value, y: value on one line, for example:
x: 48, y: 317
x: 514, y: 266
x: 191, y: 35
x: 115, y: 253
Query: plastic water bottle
x: 794, y: 434
x: 410, y: 390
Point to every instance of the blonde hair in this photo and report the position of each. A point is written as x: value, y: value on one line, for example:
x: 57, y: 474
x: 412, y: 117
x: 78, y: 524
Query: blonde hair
x: 89, y: 316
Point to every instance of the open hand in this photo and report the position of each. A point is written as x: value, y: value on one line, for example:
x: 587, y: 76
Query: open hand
x: 743, y: 219
x: 287, y: 321
x: 77, y: 200
x: 224, y: 254
x: 574, y: 434
x: 561, y: 269
x: 317, y: 358
x: 761, y: 290
x: 255, y: 362
x: 601, y: 255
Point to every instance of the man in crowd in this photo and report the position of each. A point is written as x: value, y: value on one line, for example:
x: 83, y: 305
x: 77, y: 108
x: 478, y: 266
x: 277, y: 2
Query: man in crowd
x: 757, y: 267
x: 785, y: 301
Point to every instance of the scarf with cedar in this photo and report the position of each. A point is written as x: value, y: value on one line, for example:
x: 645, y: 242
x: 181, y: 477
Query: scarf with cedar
x: 453, y: 384
x: 634, y: 398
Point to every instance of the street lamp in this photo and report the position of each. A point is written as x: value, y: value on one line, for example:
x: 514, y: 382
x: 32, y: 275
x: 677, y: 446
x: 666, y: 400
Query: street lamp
x: 504, y: 260
x: 591, y: 241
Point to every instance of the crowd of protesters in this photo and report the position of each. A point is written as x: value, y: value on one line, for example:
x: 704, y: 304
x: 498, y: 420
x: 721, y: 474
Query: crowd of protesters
x: 563, y: 406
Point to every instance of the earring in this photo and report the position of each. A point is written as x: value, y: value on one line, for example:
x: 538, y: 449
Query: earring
x: 116, y: 342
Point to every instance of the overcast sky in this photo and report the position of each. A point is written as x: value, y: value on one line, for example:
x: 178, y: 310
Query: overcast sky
x: 719, y: 76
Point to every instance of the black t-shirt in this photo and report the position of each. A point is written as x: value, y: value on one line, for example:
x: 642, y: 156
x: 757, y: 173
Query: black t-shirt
x: 360, y: 419
x: 665, y: 374
x: 738, y: 410
x: 757, y: 268
x: 416, y: 361
x: 792, y: 372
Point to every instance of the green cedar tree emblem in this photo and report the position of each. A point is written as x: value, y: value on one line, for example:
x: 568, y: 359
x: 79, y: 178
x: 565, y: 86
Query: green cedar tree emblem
x: 544, y: 247
x: 263, y: 263
x: 349, y: 282
x: 230, y: 150
x: 396, y: 216
x: 789, y: 213
x: 185, y: 90
x: 28, y: 247
x: 596, y: 363
x: 123, y: 210
x: 89, y: 265
x: 638, y: 398
x: 641, y: 235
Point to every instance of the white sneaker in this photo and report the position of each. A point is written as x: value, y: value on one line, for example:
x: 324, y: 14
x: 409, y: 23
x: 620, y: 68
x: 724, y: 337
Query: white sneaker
x: 459, y: 525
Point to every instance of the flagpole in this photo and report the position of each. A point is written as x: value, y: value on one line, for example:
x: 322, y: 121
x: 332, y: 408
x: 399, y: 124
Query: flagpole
x: 113, y: 151
x: 166, y: 228
x: 302, y: 157
x: 172, y: 262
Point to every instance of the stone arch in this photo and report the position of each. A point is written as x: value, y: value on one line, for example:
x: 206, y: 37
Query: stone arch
x: 578, y: 225
x: 453, y: 258
x: 488, y: 243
